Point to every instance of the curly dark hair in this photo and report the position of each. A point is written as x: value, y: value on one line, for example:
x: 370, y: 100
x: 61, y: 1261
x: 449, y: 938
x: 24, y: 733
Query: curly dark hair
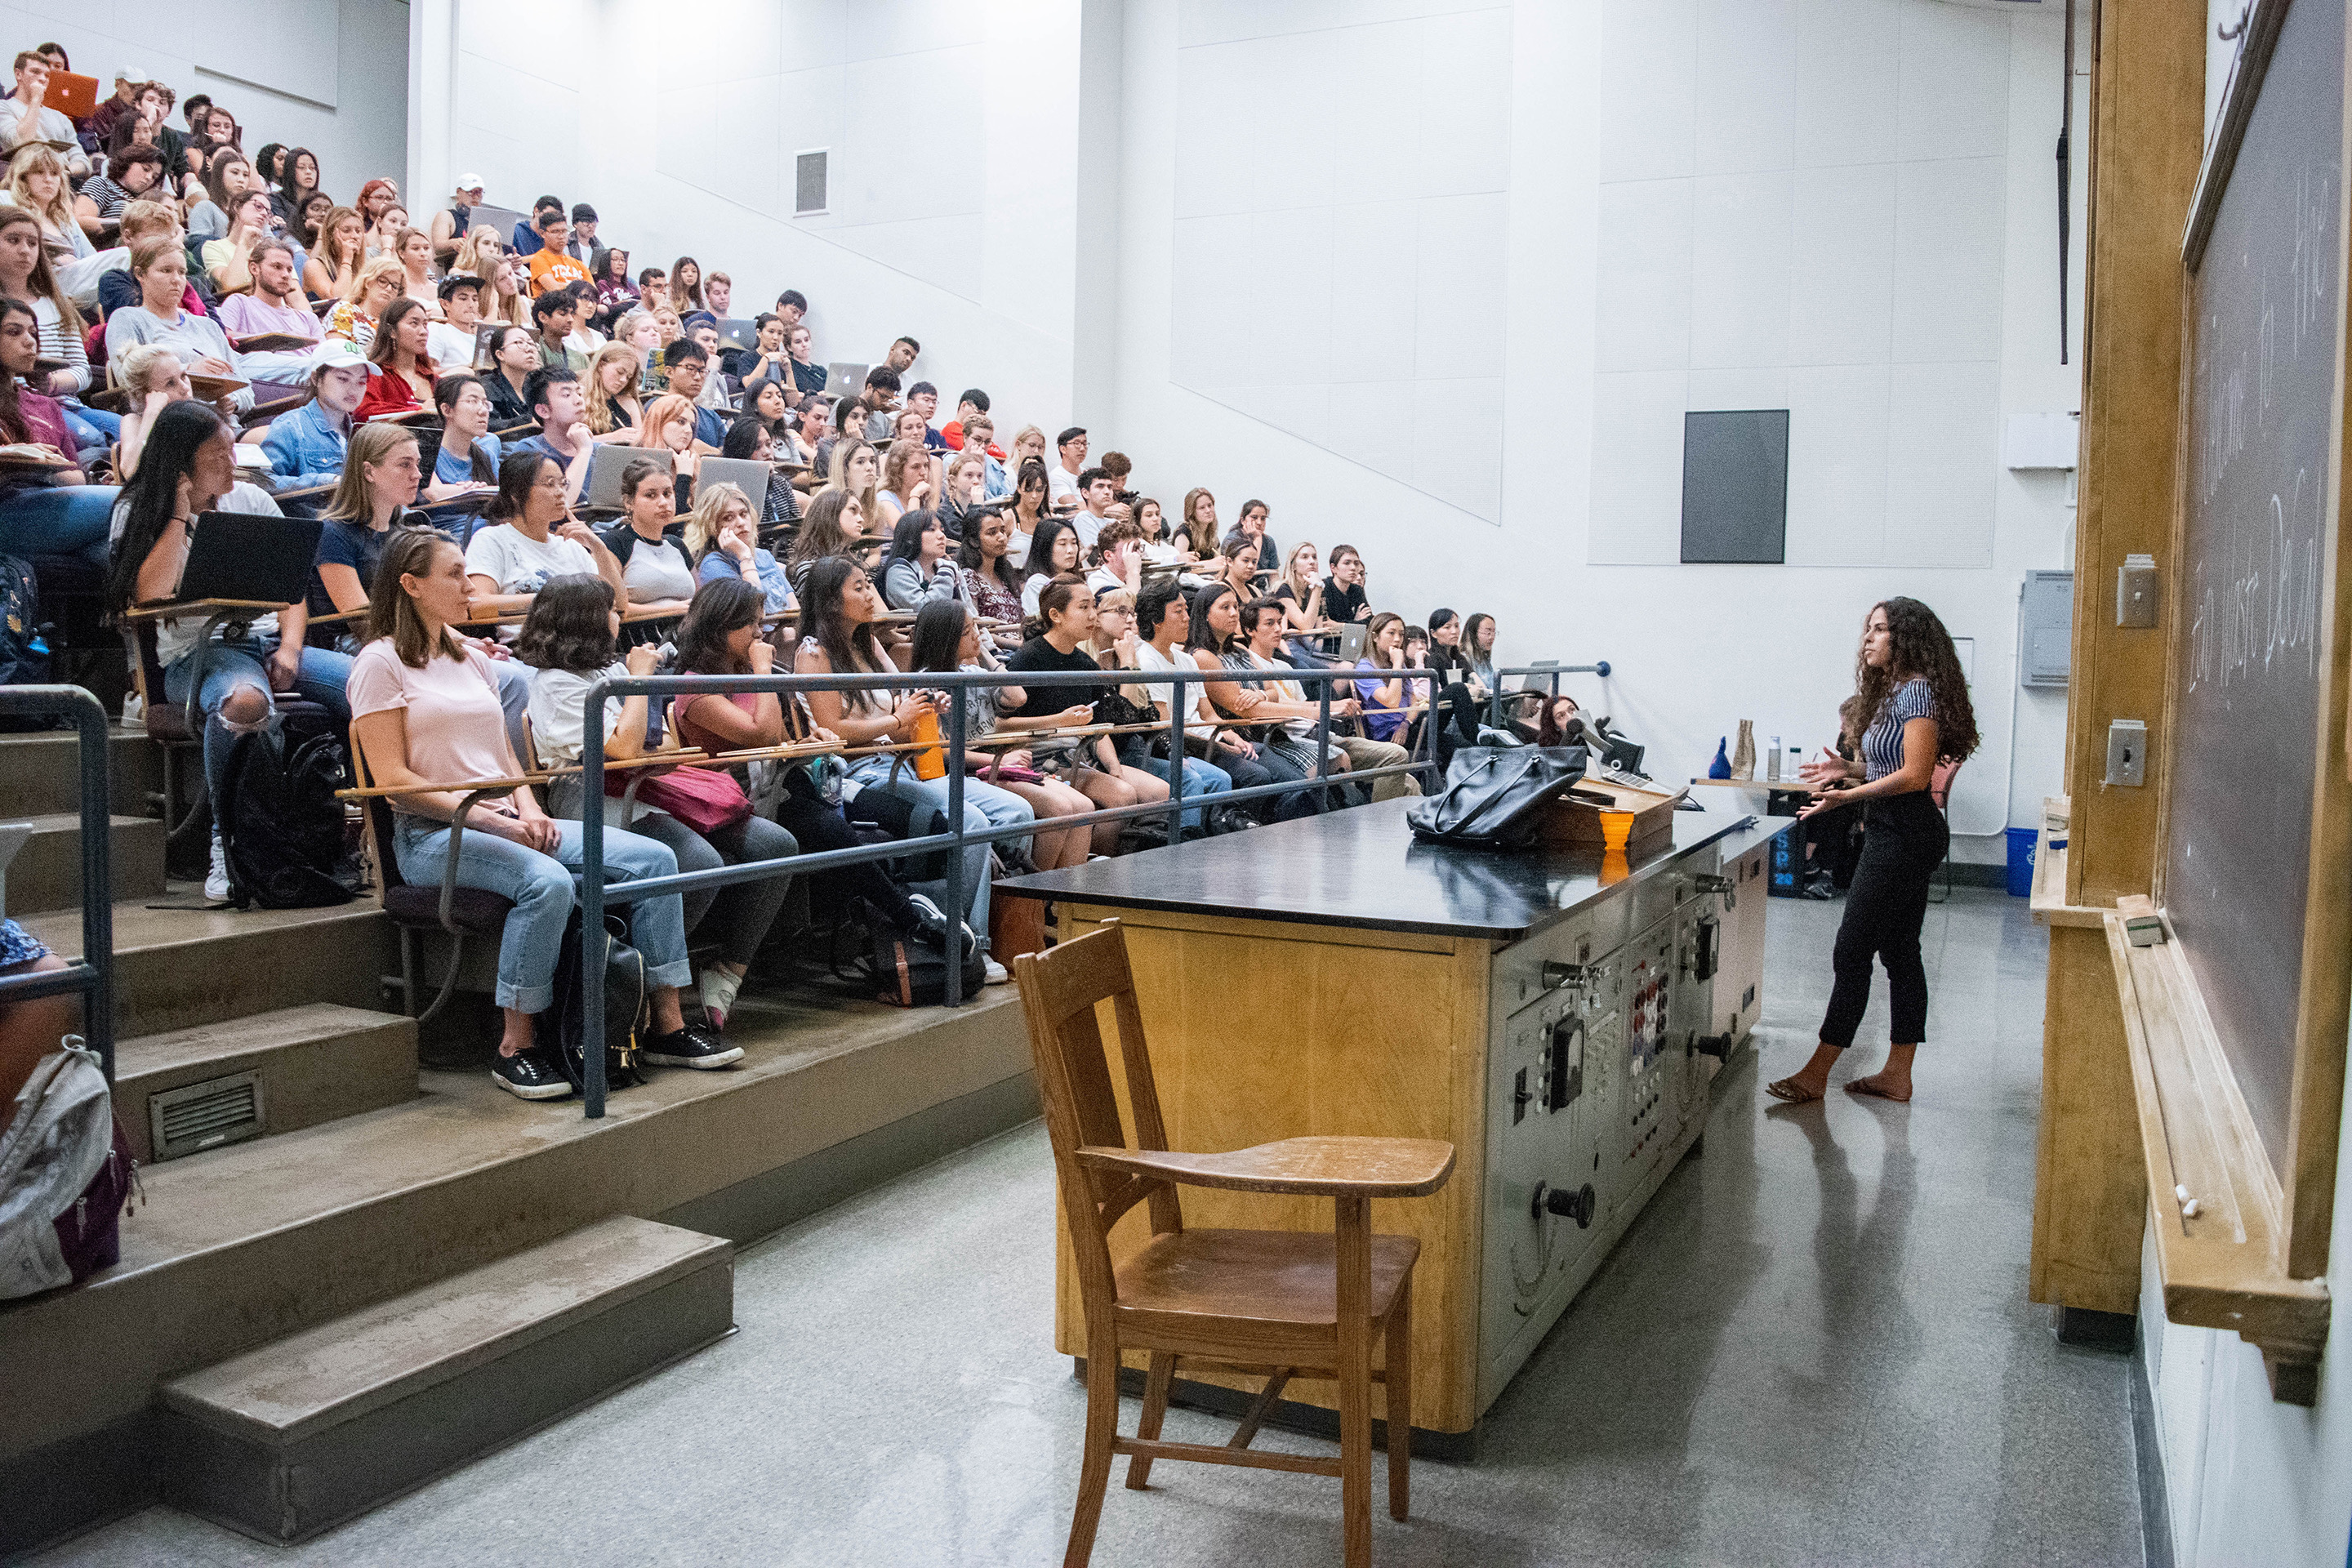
x: 720, y: 607
x: 570, y: 625
x: 1922, y: 649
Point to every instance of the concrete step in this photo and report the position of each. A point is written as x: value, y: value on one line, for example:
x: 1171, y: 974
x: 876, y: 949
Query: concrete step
x: 287, y: 1440
x: 47, y: 872
x: 308, y: 1064
x: 181, y: 967
x: 41, y: 773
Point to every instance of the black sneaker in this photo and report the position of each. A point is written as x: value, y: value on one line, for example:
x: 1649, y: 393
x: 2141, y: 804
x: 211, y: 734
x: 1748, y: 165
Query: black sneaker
x: 531, y: 1075
x: 932, y: 927
x: 689, y: 1047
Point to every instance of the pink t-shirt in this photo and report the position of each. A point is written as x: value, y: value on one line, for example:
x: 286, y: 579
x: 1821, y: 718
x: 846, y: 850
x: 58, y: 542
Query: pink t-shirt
x: 457, y: 730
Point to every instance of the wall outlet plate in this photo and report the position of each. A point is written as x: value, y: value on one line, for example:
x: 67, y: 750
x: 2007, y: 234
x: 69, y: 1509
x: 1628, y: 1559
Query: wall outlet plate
x: 2128, y: 752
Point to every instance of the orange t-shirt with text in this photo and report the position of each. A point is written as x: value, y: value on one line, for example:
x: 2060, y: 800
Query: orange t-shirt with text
x: 551, y: 269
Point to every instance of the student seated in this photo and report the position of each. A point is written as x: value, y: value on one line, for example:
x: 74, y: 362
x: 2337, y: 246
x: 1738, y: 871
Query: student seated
x: 1117, y: 557
x: 450, y: 341
x: 670, y: 427
x: 337, y: 258
x: 917, y: 571
x: 402, y: 371
x: 1343, y: 592
x: 1028, y: 512
x: 1094, y: 766
x: 527, y: 536
x: 273, y: 307
x: 370, y: 294
x: 426, y: 712
x: 947, y: 640
x: 552, y: 271
x: 25, y: 277
x: 654, y: 570
x: 989, y: 575
x: 514, y: 355
x: 724, y: 540
x: 228, y: 259
x: 1216, y: 643
x: 1384, y: 700
x: 1461, y: 695
x: 552, y: 317
x: 839, y: 608
x: 42, y: 512
x: 688, y: 366
x: 160, y: 270
x: 832, y: 529
x: 571, y: 642
x: 466, y: 459
x: 1056, y: 553
x: 558, y: 404
x: 748, y: 441
x: 188, y: 468
x: 611, y: 392
x: 1163, y: 622
x: 308, y: 447
x: 966, y: 480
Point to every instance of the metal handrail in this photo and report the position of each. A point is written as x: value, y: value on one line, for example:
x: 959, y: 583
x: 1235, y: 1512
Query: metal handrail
x: 93, y: 974
x: 594, y: 895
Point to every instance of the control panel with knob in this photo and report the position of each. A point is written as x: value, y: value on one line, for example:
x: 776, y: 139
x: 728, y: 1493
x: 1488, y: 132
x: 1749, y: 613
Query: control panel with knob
x: 1578, y: 1204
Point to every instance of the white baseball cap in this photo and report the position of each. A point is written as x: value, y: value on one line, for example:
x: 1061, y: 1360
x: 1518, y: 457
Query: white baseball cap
x: 336, y: 355
x: 468, y: 182
x: 130, y: 73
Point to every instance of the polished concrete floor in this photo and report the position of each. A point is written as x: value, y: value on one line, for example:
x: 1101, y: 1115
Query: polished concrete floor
x: 1815, y: 1348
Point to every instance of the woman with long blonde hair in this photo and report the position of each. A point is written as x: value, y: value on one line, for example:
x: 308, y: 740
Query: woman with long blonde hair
x: 668, y: 426
x: 37, y: 183
x: 413, y: 248
x: 1196, y: 531
x: 342, y: 252
x: 507, y: 301
x: 479, y: 253
x: 856, y: 472
x: 685, y: 286
x: 906, y: 480
x: 612, y: 381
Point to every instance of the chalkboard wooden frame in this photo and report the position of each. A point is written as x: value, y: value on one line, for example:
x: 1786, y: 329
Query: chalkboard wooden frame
x: 2248, y: 1248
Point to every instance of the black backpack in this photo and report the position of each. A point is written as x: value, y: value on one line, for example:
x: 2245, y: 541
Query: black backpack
x: 24, y: 647
x: 626, y: 1009
x: 281, y: 826
x: 906, y: 972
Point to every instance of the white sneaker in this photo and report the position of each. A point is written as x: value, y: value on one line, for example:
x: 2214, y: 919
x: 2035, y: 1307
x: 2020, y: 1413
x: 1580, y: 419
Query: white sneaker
x: 992, y: 973
x: 216, y: 888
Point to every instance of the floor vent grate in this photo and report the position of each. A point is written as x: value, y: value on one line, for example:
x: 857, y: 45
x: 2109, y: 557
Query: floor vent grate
x: 206, y: 1115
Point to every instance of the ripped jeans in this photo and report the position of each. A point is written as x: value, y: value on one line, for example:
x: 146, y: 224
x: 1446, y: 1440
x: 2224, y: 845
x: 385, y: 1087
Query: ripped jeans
x: 244, y: 662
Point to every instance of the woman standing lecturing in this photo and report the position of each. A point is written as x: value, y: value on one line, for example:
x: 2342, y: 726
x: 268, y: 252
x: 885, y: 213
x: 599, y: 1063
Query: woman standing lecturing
x: 1913, y: 702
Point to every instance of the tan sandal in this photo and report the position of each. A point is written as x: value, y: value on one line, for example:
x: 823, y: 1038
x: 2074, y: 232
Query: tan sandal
x: 1790, y: 1091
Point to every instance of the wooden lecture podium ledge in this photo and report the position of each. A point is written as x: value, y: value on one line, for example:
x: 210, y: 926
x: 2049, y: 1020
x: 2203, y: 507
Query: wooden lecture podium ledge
x: 2048, y: 900
x: 2217, y: 1209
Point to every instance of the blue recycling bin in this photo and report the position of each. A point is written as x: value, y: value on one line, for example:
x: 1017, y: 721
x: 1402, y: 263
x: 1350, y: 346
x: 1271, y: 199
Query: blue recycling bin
x: 2020, y: 862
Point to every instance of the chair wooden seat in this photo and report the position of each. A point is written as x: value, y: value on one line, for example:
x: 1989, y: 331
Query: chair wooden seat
x: 1285, y: 1279
x: 1276, y: 1304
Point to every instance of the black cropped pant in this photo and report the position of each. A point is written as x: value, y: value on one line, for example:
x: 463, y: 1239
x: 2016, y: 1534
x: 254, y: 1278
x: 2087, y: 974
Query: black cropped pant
x: 1904, y: 839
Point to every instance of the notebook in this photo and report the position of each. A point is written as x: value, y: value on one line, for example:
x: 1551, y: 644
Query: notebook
x: 257, y: 557
x: 603, y: 490
x: 843, y: 379
x: 753, y: 477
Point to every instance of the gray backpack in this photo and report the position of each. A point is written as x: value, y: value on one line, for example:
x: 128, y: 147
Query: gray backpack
x: 64, y: 1176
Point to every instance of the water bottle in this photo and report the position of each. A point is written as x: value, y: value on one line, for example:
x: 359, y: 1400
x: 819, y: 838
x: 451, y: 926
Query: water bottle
x: 1772, y: 767
x: 1721, y: 767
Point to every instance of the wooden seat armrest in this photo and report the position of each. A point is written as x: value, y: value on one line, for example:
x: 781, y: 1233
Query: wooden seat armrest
x: 1305, y: 1167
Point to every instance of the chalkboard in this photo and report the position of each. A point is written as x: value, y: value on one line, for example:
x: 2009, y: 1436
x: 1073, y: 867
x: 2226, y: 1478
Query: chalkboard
x: 2257, y: 511
x: 1736, y: 485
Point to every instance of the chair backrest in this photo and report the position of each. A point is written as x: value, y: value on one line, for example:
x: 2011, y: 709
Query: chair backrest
x: 166, y: 722
x: 377, y: 811
x: 1061, y: 990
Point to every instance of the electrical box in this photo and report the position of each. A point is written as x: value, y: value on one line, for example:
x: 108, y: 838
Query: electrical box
x: 2045, y: 628
x: 2128, y: 752
x: 2136, y: 592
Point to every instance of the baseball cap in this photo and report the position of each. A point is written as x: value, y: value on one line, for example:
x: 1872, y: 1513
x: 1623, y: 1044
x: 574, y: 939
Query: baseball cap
x: 130, y: 73
x: 457, y: 281
x: 336, y: 355
x: 468, y: 182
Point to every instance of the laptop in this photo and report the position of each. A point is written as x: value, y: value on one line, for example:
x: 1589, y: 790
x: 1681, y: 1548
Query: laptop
x: 71, y: 95
x: 603, y: 490
x: 751, y: 477
x: 1349, y: 641
x: 502, y: 219
x: 736, y: 334
x: 843, y: 379
x: 257, y: 557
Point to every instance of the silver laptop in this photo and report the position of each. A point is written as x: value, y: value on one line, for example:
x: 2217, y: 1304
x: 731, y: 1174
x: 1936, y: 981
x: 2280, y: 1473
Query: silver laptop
x: 843, y: 379
x: 603, y: 490
x: 502, y: 219
x: 734, y: 333
x: 751, y: 477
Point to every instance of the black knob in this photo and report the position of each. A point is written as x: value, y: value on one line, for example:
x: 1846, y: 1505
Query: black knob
x: 1715, y: 1045
x: 1578, y: 1206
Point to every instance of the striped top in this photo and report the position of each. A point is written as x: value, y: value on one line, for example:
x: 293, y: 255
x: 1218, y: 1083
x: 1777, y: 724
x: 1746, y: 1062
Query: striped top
x: 1882, y: 743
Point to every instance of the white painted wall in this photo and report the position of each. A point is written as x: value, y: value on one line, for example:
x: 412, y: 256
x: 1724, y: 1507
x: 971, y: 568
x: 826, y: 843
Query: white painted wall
x: 951, y: 125
x: 328, y: 75
x: 1846, y: 208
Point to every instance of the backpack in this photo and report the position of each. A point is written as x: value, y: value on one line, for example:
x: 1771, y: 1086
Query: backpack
x: 24, y: 647
x: 281, y: 826
x: 904, y: 972
x: 65, y: 1172
x: 626, y: 1009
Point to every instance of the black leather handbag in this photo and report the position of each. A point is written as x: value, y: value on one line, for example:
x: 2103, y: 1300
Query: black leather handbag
x: 1493, y: 794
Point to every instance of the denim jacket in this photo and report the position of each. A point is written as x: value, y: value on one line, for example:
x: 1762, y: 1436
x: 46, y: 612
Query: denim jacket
x: 304, y: 450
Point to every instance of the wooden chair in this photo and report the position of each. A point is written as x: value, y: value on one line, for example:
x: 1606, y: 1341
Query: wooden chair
x: 1283, y: 1305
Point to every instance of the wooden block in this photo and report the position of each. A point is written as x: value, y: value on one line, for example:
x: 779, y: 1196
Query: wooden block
x: 2143, y: 927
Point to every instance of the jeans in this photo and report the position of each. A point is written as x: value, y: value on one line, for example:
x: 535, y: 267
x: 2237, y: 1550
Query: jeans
x: 542, y: 886
x: 744, y: 909
x: 1200, y: 781
x: 61, y: 520
x: 229, y: 665
x: 984, y: 807
x: 1904, y: 839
